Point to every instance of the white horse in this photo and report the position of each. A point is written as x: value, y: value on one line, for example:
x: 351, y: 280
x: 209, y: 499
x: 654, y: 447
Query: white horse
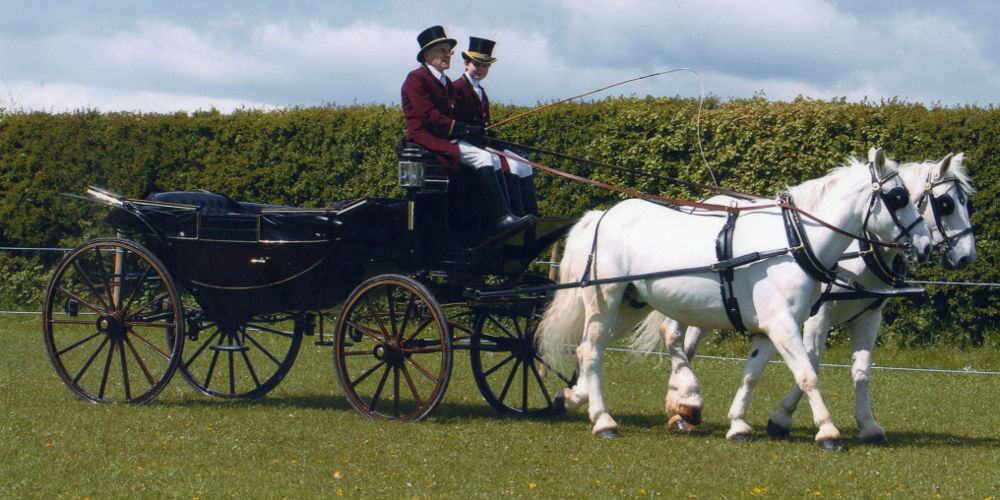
x: 944, y: 208
x: 940, y: 190
x: 637, y: 238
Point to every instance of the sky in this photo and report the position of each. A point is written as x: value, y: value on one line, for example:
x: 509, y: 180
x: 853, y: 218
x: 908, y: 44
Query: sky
x: 166, y: 56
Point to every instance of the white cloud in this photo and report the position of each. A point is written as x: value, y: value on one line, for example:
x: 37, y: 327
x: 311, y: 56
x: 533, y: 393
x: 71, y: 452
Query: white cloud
x: 59, y: 97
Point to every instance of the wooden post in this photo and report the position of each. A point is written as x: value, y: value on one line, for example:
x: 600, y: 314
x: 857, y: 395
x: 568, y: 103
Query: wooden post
x: 554, y: 266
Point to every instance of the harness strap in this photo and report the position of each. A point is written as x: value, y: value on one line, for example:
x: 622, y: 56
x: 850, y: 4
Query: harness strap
x: 724, y: 252
x: 891, y: 274
x: 798, y: 243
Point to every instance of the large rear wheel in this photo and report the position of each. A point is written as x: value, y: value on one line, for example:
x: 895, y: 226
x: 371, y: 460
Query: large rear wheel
x: 246, y: 360
x: 113, y: 322
x: 392, y: 349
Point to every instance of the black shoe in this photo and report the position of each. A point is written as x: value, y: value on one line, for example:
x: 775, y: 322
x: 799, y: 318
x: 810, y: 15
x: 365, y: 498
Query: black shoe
x: 496, y: 206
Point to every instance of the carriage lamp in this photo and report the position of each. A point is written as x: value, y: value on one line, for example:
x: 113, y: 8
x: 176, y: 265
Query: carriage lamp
x: 411, y: 174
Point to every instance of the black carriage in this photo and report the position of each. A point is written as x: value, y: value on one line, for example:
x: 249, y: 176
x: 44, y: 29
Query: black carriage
x: 225, y: 291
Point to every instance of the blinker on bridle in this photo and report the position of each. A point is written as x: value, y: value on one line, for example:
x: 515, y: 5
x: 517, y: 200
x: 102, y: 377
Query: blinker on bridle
x: 944, y: 205
x: 894, y: 199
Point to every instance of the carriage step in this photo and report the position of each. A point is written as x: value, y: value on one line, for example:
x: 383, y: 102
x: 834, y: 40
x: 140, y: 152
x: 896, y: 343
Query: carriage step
x: 229, y: 348
x: 325, y: 343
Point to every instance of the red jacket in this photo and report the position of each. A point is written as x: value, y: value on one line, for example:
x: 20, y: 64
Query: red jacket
x: 428, y: 107
x: 468, y: 107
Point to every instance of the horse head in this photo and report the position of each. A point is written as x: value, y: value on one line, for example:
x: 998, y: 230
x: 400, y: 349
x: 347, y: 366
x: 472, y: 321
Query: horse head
x: 892, y: 213
x: 945, y: 200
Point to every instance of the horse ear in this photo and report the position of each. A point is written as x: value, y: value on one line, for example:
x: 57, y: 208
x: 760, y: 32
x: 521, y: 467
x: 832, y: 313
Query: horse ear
x: 944, y: 164
x: 871, y: 154
x: 877, y: 157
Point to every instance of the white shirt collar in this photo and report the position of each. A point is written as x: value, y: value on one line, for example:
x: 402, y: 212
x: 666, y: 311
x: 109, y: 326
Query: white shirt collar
x: 437, y: 74
x: 475, y: 85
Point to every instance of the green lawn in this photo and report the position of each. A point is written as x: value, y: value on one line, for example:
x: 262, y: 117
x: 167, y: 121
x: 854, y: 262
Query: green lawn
x: 303, y: 441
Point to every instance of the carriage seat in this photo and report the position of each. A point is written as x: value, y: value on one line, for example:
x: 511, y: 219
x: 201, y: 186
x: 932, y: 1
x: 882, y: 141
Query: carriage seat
x: 208, y: 203
x: 419, y: 168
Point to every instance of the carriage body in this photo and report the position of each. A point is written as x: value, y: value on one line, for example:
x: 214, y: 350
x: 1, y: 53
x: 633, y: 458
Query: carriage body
x: 241, y: 283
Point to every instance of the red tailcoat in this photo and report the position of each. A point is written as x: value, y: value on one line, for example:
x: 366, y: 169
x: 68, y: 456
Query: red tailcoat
x: 428, y: 107
x: 468, y: 107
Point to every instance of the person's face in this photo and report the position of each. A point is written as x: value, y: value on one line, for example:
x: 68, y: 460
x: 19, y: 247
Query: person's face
x: 476, y: 69
x: 439, y: 56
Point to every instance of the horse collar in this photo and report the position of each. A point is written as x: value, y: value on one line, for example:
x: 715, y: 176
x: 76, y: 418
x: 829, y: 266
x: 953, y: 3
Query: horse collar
x: 799, y: 246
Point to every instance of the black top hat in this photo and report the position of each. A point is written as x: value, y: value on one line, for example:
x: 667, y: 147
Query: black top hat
x: 432, y: 36
x: 480, y: 50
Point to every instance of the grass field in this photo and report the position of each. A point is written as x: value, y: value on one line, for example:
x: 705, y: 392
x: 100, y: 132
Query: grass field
x: 303, y: 441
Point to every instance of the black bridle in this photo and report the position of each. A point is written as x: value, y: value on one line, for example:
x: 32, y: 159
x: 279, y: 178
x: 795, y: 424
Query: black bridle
x: 943, y: 206
x: 894, y: 200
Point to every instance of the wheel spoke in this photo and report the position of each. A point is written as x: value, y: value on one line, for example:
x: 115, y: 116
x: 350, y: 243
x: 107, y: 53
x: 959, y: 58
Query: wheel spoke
x: 421, y: 369
x: 378, y: 388
x: 510, y: 379
x: 263, y: 350
x: 107, y: 371
x: 497, y: 366
x: 253, y: 374
x: 74, y: 345
x: 138, y: 286
x: 90, y: 360
x: 365, y: 375
x: 83, y: 302
x: 413, y: 387
x: 377, y: 317
x: 139, y: 361
x: 121, y: 354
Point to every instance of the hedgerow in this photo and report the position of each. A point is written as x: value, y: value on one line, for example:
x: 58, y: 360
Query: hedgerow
x: 315, y: 156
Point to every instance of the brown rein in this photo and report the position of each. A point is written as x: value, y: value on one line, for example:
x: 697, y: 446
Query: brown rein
x: 688, y: 203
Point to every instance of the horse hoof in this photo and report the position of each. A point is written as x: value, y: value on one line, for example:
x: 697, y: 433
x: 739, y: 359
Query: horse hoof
x: 741, y: 438
x: 690, y: 414
x: 831, y: 445
x: 609, y: 433
x: 678, y: 423
x: 874, y: 439
x: 776, y: 431
x: 559, y: 404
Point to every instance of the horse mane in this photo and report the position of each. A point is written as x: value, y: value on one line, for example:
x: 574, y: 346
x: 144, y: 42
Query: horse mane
x: 808, y: 194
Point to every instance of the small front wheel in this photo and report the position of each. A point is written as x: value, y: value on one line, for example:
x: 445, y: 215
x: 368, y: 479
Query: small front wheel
x: 392, y: 349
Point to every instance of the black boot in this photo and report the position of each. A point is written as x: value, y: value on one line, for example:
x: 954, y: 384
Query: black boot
x: 514, y: 194
x: 496, y: 203
x: 529, y: 196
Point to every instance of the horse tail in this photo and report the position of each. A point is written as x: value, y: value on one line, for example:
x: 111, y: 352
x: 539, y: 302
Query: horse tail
x: 646, y: 336
x: 562, y: 323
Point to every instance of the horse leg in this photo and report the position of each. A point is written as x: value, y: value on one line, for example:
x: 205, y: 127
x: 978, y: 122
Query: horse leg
x: 600, y: 311
x: 787, y: 340
x: 814, y: 333
x: 863, y: 334
x: 684, y: 401
x: 692, y: 339
x: 761, y: 351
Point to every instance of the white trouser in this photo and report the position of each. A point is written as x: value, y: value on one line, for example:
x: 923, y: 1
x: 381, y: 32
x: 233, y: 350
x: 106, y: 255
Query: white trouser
x: 477, y: 157
x: 517, y: 167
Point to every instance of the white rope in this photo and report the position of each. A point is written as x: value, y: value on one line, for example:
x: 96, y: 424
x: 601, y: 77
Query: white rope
x: 832, y: 365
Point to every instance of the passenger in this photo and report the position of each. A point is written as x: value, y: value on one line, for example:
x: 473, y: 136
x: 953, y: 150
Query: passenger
x: 472, y: 105
x: 428, y: 106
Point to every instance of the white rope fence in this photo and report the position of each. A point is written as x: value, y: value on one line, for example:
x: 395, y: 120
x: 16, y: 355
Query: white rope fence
x: 630, y: 351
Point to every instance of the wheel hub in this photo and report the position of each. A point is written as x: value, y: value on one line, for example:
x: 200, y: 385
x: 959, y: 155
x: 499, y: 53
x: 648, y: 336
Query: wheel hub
x: 111, y: 326
x: 388, y: 352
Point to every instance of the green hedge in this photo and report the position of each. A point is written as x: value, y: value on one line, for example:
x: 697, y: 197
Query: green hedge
x: 315, y: 156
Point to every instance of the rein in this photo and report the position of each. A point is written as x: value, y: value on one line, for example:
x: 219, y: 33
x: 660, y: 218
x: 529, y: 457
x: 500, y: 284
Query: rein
x: 698, y: 204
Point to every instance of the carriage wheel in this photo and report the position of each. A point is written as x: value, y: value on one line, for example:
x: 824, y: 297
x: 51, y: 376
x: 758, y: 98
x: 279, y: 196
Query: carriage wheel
x: 239, y: 361
x: 113, y: 322
x: 392, y: 349
x: 511, y: 375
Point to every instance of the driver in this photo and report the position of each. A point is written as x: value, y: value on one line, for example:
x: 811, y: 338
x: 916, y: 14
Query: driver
x: 428, y: 106
x: 472, y: 105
